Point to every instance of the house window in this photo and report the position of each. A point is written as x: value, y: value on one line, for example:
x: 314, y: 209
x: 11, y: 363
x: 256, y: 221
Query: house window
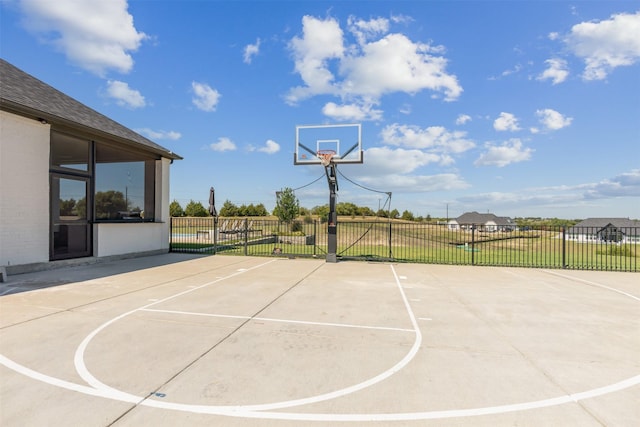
x: 124, y: 184
x: 123, y: 178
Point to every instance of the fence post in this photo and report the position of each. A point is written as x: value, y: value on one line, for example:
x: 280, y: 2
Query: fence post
x: 215, y: 234
x: 473, y: 248
x: 170, y: 235
x: 390, y: 251
x: 564, y: 247
x: 315, y: 237
x: 246, y: 235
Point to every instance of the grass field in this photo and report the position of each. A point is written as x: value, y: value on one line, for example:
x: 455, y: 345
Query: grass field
x: 403, y: 241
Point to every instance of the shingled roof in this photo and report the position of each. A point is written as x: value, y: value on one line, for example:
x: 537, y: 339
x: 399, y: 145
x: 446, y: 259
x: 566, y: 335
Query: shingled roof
x: 603, y: 222
x: 23, y: 94
x: 480, y: 218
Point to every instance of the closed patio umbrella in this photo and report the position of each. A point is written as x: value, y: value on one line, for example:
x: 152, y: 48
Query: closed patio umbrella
x: 212, y: 202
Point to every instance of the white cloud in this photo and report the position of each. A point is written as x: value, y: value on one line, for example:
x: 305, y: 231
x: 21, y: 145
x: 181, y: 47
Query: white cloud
x: 96, y: 35
x: 401, y: 183
x: 435, y: 139
x: 321, y: 41
x: 606, y: 45
x: 385, y: 160
x: 159, y: 134
x: 124, y: 95
x: 404, y: 109
x: 397, y: 64
x: 206, y: 98
x: 366, y: 30
x: 582, y: 196
x: 556, y: 71
x: 506, y: 122
x: 270, y: 147
x: 552, y: 120
x: 509, y: 152
x: 624, y: 185
x: 515, y: 70
x: 250, y: 51
x: 392, y: 169
x: 462, y: 119
x: 223, y: 144
x: 375, y: 65
x: 353, y: 112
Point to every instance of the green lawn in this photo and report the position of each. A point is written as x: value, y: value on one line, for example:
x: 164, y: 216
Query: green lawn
x: 416, y: 242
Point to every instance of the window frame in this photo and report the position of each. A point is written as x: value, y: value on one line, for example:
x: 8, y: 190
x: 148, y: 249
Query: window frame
x: 148, y: 158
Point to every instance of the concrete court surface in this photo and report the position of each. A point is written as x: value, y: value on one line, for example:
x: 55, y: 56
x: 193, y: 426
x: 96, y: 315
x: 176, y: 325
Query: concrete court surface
x: 245, y: 341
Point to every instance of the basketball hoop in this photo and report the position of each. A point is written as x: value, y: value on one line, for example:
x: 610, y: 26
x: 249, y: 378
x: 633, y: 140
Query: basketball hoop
x: 325, y: 156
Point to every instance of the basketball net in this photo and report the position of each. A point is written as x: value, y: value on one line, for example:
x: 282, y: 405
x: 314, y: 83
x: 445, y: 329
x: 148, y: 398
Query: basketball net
x: 325, y: 156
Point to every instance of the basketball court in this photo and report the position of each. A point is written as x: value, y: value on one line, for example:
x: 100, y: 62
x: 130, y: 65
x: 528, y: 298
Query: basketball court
x: 247, y: 341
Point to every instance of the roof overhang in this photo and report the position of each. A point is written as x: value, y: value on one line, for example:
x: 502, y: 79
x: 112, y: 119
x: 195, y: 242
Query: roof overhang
x: 92, y: 133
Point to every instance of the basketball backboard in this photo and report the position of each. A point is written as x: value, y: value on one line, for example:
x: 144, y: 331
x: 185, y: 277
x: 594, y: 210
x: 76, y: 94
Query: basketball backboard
x: 344, y: 139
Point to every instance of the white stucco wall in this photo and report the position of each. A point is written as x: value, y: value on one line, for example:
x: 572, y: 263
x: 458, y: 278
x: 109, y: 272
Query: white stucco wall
x: 122, y: 239
x: 24, y: 190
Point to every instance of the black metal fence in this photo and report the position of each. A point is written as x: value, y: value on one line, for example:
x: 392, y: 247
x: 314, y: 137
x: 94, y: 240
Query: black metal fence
x: 584, y: 248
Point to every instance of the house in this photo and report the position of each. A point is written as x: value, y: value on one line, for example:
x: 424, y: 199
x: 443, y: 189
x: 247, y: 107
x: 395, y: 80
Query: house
x: 74, y: 183
x: 605, y: 230
x: 482, y: 222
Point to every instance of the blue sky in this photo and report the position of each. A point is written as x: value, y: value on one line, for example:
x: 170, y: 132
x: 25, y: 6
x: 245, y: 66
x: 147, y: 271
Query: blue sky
x: 519, y: 108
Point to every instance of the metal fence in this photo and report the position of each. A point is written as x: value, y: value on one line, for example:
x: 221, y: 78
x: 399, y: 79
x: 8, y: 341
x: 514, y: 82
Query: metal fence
x: 584, y: 248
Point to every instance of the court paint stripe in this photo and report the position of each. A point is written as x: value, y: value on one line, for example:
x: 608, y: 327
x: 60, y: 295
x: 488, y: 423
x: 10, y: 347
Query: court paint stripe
x: 268, y: 319
x: 356, y: 387
x: 243, y: 413
x: 78, y: 359
x: 94, y: 382
x: 588, y: 282
x: 239, y: 411
x: 21, y: 369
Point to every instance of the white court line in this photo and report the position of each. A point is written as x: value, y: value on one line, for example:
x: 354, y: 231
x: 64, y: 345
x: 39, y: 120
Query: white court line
x: 244, y: 412
x: 268, y: 319
x: 588, y: 282
x: 78, y: 359
x: 94, y: 382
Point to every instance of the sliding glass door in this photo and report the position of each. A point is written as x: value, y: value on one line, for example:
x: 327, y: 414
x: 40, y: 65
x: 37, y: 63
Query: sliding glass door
x: 70, y: 226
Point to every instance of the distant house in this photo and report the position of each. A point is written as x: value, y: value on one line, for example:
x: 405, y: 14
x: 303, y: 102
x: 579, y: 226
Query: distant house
x: 482, y: 222
x: 74, y: 183
x: 605, y: 230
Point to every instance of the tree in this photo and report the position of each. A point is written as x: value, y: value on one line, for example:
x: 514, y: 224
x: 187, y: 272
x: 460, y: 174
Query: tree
x: 304, y: 212
x: 287, y: 205
x: 109, y: 204
x: 394, y: 214
x: 175, y: 209
x: 252, y: 210
x: 322, y: 212
x: 346, y: 209
x: 366, y: 211
x: 261, y: 210
x: 67, y: 207
x: 229, y: 209
x: 407, y: 216
x: 81, y: 208
x: 195, y: 209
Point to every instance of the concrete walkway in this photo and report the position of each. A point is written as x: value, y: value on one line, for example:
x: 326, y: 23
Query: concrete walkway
x: 246, y: 341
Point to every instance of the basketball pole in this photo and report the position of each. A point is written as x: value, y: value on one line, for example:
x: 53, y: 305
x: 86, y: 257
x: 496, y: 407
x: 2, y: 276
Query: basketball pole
x: 332, y: 221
